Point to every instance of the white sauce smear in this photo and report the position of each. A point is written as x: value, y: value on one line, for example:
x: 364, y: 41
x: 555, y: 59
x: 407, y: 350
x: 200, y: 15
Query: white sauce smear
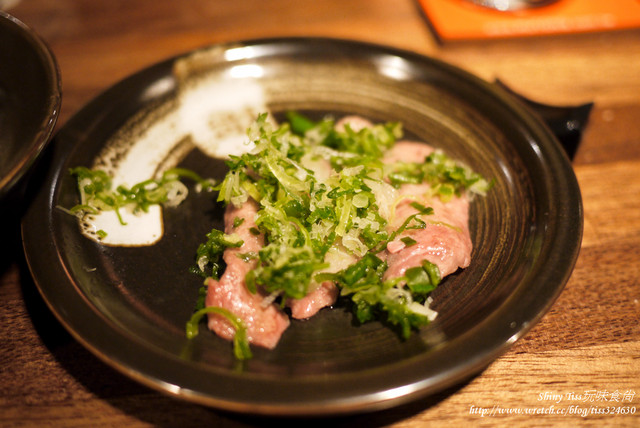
x: 211, y: 114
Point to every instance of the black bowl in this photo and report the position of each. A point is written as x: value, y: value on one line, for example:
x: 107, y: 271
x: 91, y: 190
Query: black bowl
x: 30, y: 96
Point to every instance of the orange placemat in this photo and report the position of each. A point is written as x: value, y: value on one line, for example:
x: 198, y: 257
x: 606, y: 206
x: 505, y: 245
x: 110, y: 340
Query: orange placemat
x: 462, y: 19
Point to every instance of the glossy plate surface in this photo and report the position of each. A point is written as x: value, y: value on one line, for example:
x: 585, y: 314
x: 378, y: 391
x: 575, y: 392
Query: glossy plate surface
x: 30, y: 95
x: 129, y: 305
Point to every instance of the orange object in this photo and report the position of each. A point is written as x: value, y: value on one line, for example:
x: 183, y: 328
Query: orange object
x: 463, y: 19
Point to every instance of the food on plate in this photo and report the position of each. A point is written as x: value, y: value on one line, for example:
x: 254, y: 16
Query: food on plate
x: 318, y: 211
x: 315, y: 212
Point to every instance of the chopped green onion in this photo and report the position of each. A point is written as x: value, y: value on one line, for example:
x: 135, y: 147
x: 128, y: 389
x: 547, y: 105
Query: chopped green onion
x: 209, y: 253
x: 304, y: 212
x: 408, y: 241
x: 97, y: 194
x: 241, y: 348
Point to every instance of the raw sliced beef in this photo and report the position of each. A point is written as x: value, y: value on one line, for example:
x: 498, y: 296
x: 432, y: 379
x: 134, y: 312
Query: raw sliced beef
x: 264, y: 322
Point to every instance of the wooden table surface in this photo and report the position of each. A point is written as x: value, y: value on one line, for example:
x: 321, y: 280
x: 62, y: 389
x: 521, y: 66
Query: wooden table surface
x: 586, y: 349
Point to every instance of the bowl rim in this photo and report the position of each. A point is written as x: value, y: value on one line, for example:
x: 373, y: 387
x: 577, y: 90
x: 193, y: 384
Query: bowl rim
x: 19, y: 168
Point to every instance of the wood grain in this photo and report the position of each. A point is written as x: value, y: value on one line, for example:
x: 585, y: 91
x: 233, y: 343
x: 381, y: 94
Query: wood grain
x: 589, y: 341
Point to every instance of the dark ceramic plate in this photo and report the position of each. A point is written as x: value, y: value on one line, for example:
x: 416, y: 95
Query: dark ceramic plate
x: 129, y: 305
x: 30, y: 94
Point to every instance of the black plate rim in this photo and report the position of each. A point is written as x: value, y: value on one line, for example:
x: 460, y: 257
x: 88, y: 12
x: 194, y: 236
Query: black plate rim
x: 311, y: 397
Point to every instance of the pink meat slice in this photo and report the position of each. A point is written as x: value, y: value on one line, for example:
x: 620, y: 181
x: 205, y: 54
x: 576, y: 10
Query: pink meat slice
x: 265, y: 323
x: 408, y: 152
x: 445, y: 241
x: 356, y: 123
x: 324, y: 294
